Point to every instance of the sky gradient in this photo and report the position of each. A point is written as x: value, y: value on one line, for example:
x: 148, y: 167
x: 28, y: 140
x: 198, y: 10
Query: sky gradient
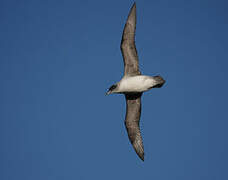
x: 57, y: 60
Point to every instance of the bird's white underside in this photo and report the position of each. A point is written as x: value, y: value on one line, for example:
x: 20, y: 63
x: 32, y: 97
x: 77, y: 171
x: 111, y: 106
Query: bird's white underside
x: 138, y: 83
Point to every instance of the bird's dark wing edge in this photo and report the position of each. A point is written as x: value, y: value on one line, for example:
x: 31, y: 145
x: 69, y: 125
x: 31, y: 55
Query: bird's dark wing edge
x: 133, y: 112
x: 128, y: 47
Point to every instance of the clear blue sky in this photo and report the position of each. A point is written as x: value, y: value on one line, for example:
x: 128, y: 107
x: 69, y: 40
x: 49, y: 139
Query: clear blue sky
x: 58, y: 58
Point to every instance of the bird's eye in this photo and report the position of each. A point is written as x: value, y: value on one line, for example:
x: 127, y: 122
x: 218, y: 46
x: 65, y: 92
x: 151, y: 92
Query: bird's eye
x: 112, y: 87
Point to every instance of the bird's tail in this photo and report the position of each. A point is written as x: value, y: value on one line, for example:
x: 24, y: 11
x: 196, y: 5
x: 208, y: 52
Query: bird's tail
x: 159, y: 81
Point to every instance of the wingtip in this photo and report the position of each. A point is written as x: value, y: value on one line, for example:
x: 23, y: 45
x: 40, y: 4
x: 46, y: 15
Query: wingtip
x: 140, y: 154
x: 141, y: 157
x: 134, y: 5
x: 132, y: 14
x: 138, y: 146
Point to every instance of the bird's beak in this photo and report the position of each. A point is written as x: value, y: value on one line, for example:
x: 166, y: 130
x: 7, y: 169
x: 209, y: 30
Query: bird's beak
x: 108, y: 92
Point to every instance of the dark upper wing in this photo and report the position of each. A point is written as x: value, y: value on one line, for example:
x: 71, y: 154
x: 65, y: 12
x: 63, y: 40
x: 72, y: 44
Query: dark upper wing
x: 128, y: 48
x: 132, y: 122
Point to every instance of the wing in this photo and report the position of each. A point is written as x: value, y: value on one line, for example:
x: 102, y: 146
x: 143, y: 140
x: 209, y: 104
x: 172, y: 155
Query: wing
x: 128, y: 48
x: 132, y: 122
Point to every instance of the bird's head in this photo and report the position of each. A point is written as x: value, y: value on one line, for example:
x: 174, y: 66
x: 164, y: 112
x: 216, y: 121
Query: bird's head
x: 112, y: 89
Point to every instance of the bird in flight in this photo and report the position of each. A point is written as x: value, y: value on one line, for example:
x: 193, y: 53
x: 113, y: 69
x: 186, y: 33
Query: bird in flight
x: 133, y: 83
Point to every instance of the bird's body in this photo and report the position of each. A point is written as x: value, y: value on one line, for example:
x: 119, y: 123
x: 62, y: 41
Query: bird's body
x: 133, y: 84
